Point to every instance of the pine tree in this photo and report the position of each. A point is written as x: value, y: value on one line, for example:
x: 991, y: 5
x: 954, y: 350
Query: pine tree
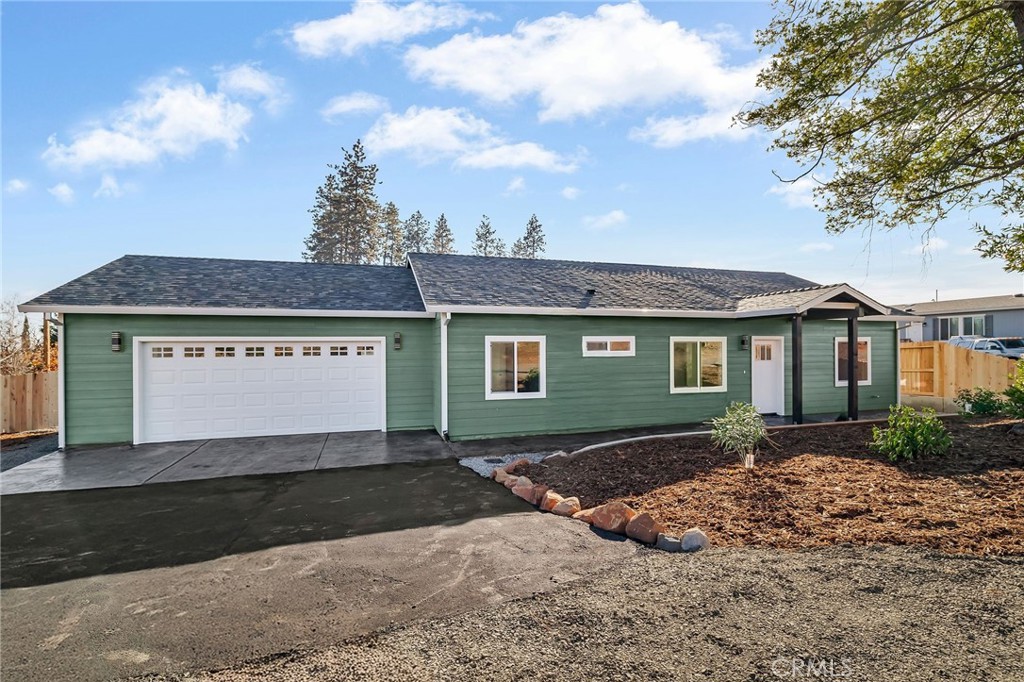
x: 26, y: 335
x: 345, y: 213
x: 416, y: 232
x: 392, y: 237
x: 532, y: 244
x: 487, y: 242
x: 443, y: 240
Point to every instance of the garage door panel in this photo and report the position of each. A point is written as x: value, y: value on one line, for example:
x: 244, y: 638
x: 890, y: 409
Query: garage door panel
x: 191, y: 390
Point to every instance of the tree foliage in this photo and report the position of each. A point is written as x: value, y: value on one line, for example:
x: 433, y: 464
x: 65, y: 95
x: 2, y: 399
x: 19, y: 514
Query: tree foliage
x: 21, y: 346
x: 416, y: 234
x: 442, y: 241
x: 532, y: 244
x: 392, y: 237
x: 486, y: 242
x: 345, y: 213
x: 912, y: 109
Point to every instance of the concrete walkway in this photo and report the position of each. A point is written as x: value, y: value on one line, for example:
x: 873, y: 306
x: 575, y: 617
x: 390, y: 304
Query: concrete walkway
x: 123, y: 465
x: 101, y: 584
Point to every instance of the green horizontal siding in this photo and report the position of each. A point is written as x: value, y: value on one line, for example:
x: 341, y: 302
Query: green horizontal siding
x: 98, y: 383
x: 597, y: 393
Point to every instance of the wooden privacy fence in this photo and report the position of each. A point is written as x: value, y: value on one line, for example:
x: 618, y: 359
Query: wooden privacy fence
x: 29, y: 402
x: 936, y: 370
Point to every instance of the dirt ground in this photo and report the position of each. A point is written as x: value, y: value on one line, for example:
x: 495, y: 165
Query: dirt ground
x: 730, y: 614
x: 19, y: 448
x: 819, y: 486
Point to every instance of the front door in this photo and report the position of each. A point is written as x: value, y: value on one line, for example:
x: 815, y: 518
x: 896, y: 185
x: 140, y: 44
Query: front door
x: 767, y: 387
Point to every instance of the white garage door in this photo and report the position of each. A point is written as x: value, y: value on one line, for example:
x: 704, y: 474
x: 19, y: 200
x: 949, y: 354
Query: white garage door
x: 226, y: 389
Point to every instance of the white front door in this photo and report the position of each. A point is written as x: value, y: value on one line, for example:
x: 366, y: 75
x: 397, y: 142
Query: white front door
x: 197, y: 389
x: 767, y: 388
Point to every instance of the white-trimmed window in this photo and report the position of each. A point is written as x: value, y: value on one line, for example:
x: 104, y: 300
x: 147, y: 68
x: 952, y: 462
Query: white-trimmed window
x: 863, y: 361
x: 697, y: 364
x: 609, y: 346
x: 515, y: 367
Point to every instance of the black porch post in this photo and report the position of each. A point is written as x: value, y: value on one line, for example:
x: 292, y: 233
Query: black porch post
x: 798, y: 369
x: 852, y: 382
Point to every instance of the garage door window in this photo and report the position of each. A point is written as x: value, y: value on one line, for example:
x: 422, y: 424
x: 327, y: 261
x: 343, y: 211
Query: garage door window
x: 254, y: 351
x: 283, y: 351
x: 364, y: 350
x: 195, y: 352
x: 339, y: 351
x: 311, y: 351
x: 163, y: 352
x: 224, y: 351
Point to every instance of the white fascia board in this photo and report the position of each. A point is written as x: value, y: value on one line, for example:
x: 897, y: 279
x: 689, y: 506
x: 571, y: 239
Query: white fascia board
x: 774, y: 312
x: 236, y: 312
x: 892, y: 318
x: 818, y: 301
x: 597, y: 312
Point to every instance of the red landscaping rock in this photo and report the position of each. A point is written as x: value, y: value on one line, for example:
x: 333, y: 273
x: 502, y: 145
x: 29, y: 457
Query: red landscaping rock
x: 644, y: 528
x: 550, y: 499
x: 518, y: 465
x: 613, y: 517
x: 523, y: 488
x: 569, y: 506
x: 585, y: 515
x: 539, y: 491
x: 499, y: 475
x: 511, y: 481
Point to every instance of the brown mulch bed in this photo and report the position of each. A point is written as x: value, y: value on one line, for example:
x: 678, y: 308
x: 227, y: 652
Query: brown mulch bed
x: 820, y: 486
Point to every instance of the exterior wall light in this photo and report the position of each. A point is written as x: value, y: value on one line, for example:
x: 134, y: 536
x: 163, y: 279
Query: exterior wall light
x: 115, y: 342
x: 744, y: 342
x: 398, y: 340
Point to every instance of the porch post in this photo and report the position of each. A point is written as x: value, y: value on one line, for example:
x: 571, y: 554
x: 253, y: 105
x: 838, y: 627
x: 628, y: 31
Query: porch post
x: 798, y: 369
x: 851, y: 366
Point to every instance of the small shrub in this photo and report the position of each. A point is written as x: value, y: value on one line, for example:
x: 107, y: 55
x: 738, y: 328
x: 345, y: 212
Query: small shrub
x: 911, y: 435
x: 739, y: 430
x: 1015, y: 393
x: 980, y: 402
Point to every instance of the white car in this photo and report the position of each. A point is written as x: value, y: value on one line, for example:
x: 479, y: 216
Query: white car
x: 1006, y: 347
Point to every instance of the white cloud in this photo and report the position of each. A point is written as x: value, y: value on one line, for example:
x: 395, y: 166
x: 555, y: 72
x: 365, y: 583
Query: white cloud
x: 109, y: 187
x: 516, y: 185
x: 353, y: 103
x: 372, y: 22
x: 62, y: 192
x: 570, y: 192
x: 816, y: 247
x: 798, y: 194
x: 607, y: 221
x: 16, y: 186
x: 251, y: 82
x: 928, y: 245
x: 429, y: 134
x: 171, y: 117
x: 579, y: 66
x: 673, y: 131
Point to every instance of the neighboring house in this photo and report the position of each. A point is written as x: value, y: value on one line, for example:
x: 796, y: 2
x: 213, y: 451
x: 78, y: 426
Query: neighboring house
x: 984, y: 316
x: 163, y: 349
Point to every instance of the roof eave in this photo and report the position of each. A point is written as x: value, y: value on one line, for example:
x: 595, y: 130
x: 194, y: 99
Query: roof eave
x: 219, y: 311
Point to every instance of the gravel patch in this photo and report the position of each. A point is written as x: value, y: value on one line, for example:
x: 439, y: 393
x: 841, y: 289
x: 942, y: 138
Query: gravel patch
x: 486, y: 465
x: 729, y: 614
x: 19, y: 449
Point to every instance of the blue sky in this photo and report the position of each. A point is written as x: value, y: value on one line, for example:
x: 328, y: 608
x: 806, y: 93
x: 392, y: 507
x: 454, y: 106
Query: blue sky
x: 203, y: 129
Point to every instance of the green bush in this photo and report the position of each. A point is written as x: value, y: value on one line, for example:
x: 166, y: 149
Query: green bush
x: 740, y: 431
x: 911, y: 435
x: 1015, y: 393
x: 980, y: 402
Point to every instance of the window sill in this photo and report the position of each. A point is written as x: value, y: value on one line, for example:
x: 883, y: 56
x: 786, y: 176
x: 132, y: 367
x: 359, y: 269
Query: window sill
x: 514, y: 396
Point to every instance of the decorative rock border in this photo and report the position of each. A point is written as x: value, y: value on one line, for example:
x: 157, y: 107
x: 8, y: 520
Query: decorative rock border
x: 613, y: 517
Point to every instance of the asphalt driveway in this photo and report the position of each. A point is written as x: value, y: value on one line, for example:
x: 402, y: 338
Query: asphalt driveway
x: 198, y: 574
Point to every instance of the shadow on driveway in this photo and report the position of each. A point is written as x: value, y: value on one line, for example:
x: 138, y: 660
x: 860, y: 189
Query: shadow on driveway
x: 51, y: 537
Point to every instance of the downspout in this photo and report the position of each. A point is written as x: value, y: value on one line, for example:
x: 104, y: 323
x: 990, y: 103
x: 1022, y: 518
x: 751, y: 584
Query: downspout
x: 61, y: 426
x: 445, y: 319
x: 899, y: 367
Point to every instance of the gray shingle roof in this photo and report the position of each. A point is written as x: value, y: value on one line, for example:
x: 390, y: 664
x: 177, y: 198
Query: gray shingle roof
x: 454, y: 280
x: 967, y: 305
x: 774, y: 300
x: 247, y: 284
